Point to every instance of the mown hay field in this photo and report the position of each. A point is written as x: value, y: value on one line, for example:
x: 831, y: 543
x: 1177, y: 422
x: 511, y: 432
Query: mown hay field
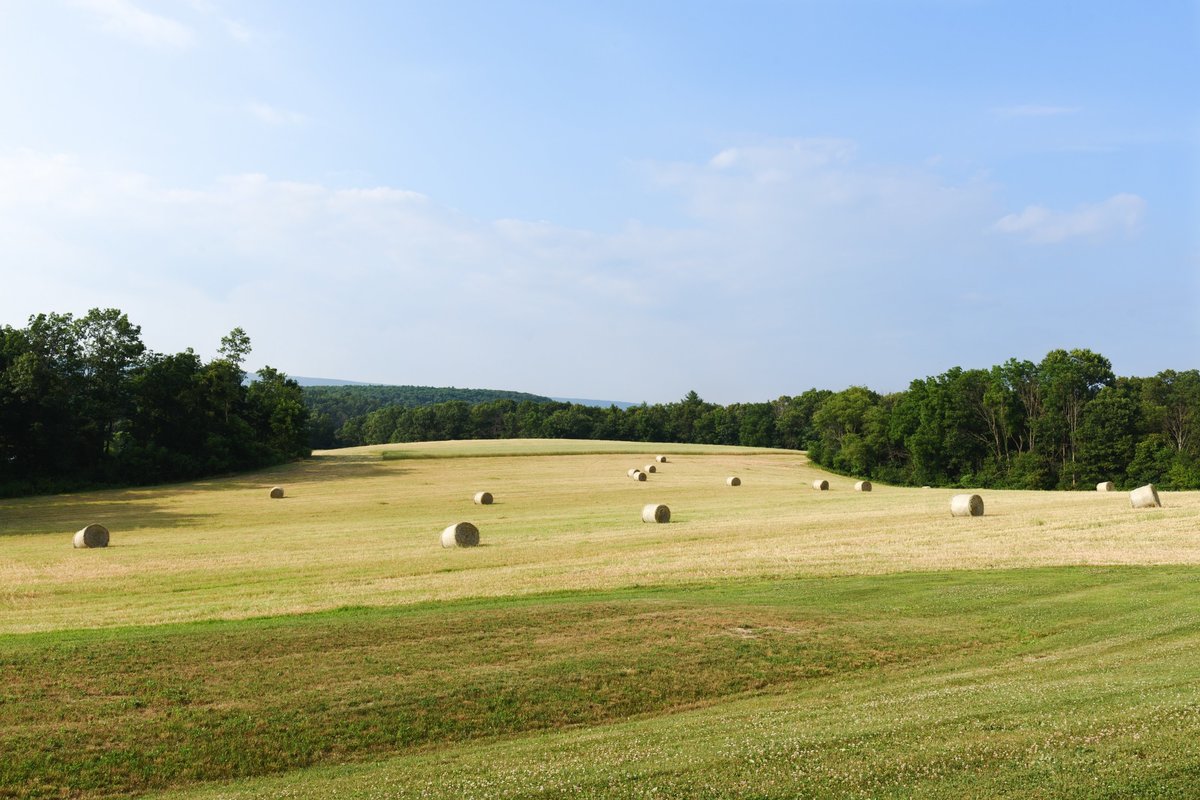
x: 770, y: 641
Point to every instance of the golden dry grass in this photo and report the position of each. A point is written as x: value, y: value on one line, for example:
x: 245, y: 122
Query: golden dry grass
x: 355, y: 529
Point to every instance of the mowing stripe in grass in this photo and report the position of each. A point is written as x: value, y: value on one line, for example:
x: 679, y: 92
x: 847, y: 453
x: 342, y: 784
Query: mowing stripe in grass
x: 118, y: 711
x: 1105, y: 708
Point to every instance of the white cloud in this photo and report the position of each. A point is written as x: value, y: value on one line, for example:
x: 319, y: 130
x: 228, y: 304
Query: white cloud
x: 784, y: 241
x: 782, y: 158
x: 813, y: 205
x: 123, y: 18
x: 1035, y: 111
x: 1120, y: 214
x: 272, y: 115
x: 238, y: 31
x: 373, y: 264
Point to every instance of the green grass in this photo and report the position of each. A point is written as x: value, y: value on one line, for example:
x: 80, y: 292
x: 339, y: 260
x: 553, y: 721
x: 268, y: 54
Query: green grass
x: 772, y: 641
x: 999, y: 662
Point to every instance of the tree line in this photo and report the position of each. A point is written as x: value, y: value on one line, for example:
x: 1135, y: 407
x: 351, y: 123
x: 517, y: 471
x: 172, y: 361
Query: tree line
x: 1066, y: 422
x: 785, y: 422
x: 84, y: 403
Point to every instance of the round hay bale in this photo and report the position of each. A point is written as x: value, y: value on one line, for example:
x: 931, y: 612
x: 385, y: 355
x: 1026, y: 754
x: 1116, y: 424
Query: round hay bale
x: 733, y: 480
x: 656, y: 512
x: 631, y: 471
x: 460, y: 534
x: 661, y: 459
x: 1145, y: 497
x: 862, y: 486
x: 483, y: 498
x: 927, y: 487
x: 966, y: 505
x: 821, y: 485
x: 277, y: 492
x: 93, y: 535
x: 639, y: 475
x: 1105, y: 486
x: 649, y: 468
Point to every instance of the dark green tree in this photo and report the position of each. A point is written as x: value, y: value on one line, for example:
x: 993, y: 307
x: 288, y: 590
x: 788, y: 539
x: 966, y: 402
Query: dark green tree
x: 1173, y: 400
x: 794, y: 419
x: 1070, y: 380
x: 1107, y: 436
x: 840, y: 423
x: 166, y: 426
x: 277, y: 414
x: 110, y: 350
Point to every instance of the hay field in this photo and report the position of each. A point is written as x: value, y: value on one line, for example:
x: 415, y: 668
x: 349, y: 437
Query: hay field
x: 355, y: 529
x: 326, y: 638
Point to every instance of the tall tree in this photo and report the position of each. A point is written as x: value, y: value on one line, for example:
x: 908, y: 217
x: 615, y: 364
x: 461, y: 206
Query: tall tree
x: 46, y: 379
x: 278, y: 414
x: 840, y: 424
x: 110, y: 349
x: 1175, y: 397
x: 1107, y: 435
x: 1023, y: 381
x: 794, y: 418
x: 225, y: 376
x: 1070, y: 380
x: 235, y: 346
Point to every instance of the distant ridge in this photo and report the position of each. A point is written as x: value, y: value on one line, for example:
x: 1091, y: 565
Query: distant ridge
x: 303, y: 381
x: 622, y: 404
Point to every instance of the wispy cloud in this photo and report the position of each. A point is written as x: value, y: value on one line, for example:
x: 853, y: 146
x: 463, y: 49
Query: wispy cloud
x: 272, y: 115
x: 238, y: 31
x: 784, y: 157
x: 815, y: 198
x: 771, y: 226
x: 1119, y: 214
x: 782, y: 241
x: 253, y: 250
x: 124, y: 19
x: 1036, y: 111
x: 235, y: 29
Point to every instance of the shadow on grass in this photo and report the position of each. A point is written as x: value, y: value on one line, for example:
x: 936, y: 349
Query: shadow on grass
x: 140, y: 507
x: 318, y: 469
x: 62, y: 516
x: 326, y: 468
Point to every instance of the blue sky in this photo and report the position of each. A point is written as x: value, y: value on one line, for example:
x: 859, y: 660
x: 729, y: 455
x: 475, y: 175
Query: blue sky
x: 623, y: 200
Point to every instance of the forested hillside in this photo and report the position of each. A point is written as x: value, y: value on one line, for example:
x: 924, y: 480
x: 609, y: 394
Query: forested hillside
x: 786, y: 422
x: 332, y: 406
x: 82, y: 402
x: 1066, y: 422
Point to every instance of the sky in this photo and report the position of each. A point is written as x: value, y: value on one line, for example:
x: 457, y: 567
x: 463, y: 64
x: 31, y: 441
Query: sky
x: 615, y: 200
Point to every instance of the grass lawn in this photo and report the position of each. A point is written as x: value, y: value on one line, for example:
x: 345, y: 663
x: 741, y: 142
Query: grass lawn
x: 772, y: 641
